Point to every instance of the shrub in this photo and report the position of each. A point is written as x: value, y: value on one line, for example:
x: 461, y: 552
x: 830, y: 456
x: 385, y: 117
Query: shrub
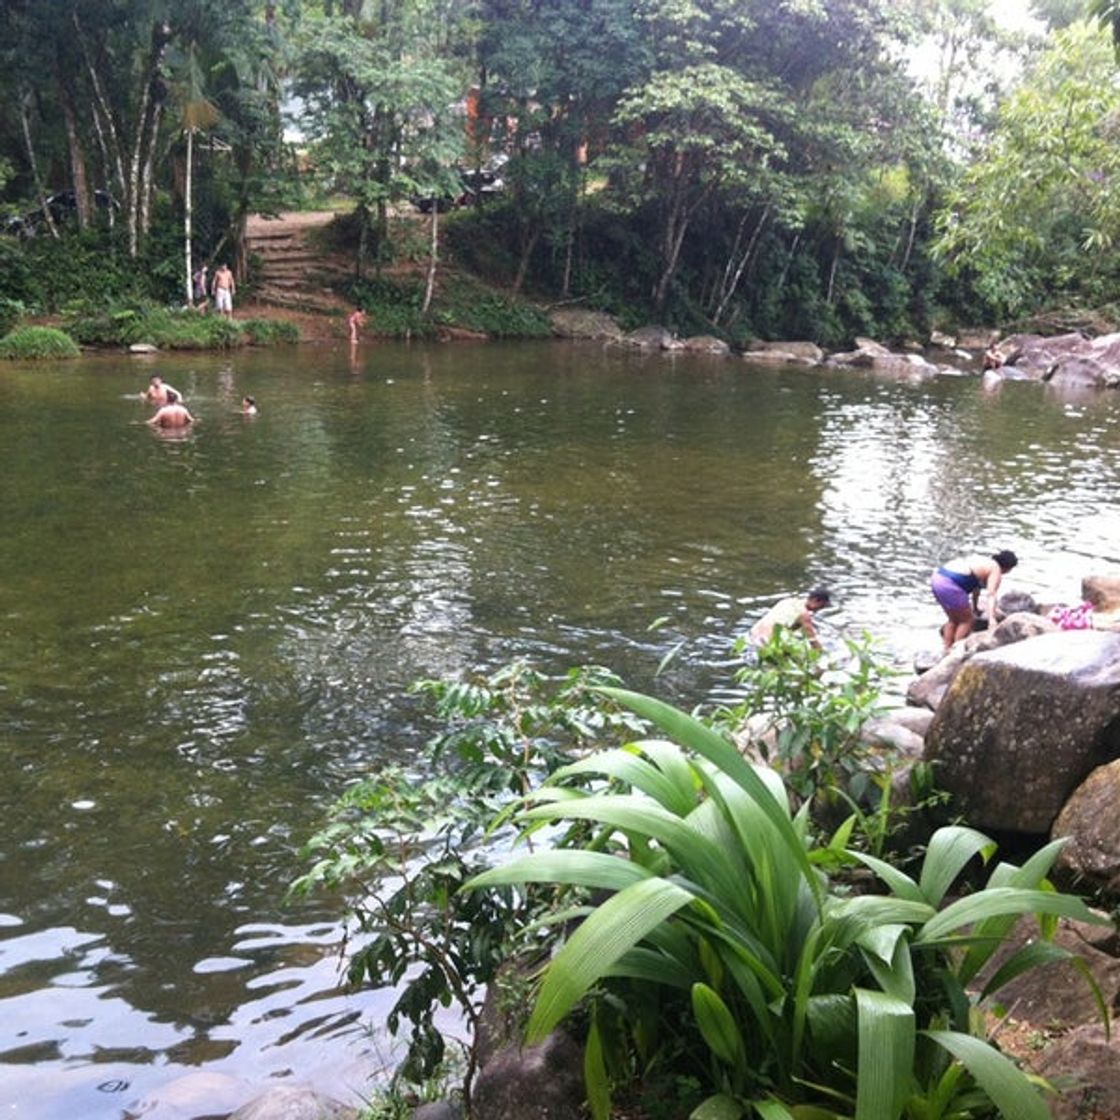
x: 270, y: 332
x: 710, y: 937
x: 37, y: 342
x: 185, y: 330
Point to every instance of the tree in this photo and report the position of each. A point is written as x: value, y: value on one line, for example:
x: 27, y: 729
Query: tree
x: 1037, y: 214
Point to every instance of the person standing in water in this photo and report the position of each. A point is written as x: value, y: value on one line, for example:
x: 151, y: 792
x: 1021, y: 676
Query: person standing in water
x: 957, y: 584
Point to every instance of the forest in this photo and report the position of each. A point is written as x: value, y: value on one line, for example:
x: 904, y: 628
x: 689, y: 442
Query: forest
x: 791, y: 168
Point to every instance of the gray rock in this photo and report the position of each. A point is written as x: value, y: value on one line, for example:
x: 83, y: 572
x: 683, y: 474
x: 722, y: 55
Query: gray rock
x: 706, y: 344
x: 649, y: 338
x: 1086, y: 1063
x: 940, y: 338
x: 143, y: 348
x: 870, y: 346
x: 894, y: 736
x: 809, y: 350
x: 1021, y: 727
x: 1078, y: 371
x: 294, y: 1102
x: 1091, y: 821
x: 1016, y: 602
x: 438, y: 1110
x: 570, y: 322
x: 543, y: 1082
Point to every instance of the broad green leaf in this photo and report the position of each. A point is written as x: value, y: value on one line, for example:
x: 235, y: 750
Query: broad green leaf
x: 899, y: 882
x: 1007, y: 1086
x: 996, y: 901
x: 615, y: 927
x: 589, y: 869
x: 886, y: 1055
x: 718, y: 1107
x: 696, y: 736
x: 950, y: 849
x: 717, y: 1026
x: 636, y: 772
x: 595, y: 1078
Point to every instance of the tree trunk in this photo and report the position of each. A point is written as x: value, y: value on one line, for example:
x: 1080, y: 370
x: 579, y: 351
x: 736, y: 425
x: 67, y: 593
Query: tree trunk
x: 146, y: 176
x: 78, y: 177
x: 187, y: 216
x: 528, y: 246
x: 731, y: 287
x: 433, y: 256
x: 832, y: 274
x: 106, y: 115
x: 33, y: 162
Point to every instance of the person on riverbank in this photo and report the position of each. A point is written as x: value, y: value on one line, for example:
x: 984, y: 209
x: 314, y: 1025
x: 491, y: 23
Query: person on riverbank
x: 224, y: 289
x: 172, y: 415
x: 957, y: 584
x: 793, y: 613
x: 355, y: 322
x: 159, y: 393
x: 201, y: 282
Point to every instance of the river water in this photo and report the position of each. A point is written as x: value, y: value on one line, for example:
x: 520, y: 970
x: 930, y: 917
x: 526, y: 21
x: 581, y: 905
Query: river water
x: 205, y: 639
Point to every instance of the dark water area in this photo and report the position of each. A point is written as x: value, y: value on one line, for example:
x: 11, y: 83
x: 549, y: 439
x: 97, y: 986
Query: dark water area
x: 205, y: 638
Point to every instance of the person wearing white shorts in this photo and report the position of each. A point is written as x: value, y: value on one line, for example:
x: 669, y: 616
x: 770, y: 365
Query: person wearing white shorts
x: 224, y: 287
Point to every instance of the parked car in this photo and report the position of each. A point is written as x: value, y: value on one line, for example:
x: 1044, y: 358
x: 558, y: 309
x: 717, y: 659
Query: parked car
x: 63, y: 207
x: 486, y: 181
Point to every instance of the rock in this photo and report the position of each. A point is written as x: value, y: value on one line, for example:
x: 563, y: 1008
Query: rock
x: 705, y: 344
x: 143, y: 348
x: 1056, y: 995
x: 1091, y: 820
x: 978, y: 339
x: 1036, y: 356
x: 1102, y: 591
x: 294, y: 1102
x: 870, y: 346
x: 902, y: 365
x: 196, y: 1094
x: 570, y: 322
x: 1021, y: 727
x: 809, y: 350
x: 913, y: 719
x: 940, y: 338
x: 1078, y: 371
x: 926, y: 659
x: 543, y: 1082
x: 1016, y: 602
x: 885, y: 732
x: 438, y: 1110
x: 775, y: 358
x: 1086, y: 1065
x: 649, y: 338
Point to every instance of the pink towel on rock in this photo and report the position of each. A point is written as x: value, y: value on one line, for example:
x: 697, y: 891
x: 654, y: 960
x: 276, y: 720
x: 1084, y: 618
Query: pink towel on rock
x: 1073, y: 618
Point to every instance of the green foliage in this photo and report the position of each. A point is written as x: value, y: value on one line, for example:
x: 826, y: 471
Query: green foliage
x: 400, y: 847
x: 95, y: 324
x: 1035, y: 219
x: 815, y: 712
x: 26, y: 343
x: 395, y: 309
x: 269, y: 332
x: 784, y: 991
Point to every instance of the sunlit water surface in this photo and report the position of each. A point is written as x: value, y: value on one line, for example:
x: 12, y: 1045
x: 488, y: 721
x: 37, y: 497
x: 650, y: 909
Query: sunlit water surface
x: 205, y: 639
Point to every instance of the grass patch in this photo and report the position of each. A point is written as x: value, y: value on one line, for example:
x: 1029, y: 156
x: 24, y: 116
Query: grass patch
x: 25, y: 343
x: 173, y: 330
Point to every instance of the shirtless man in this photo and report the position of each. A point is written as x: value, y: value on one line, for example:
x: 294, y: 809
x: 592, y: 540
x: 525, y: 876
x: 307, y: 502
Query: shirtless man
x: 224, y: 288
x: 356, y: 321
x: 159, y: 393
x: 173, y: 415
x: 794, y: 613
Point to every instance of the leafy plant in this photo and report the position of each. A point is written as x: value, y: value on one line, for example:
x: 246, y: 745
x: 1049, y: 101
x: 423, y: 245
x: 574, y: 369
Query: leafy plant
x: 401, y: 847
x: 33, y: 343
x: 815, y: 713
x: 720, y: 939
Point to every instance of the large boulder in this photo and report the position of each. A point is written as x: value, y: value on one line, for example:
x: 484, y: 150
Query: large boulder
x: 574, y: 322
x: 543, y: 1082
x: 805, y: 350
x: 928, y: 690
x: 1022, y: 726
x: 294, y: 1102
x: 1083, y: 371
x: 1036, y: 356
x: 706, y: 344
x: 1091, y: 821
x: 1085, y: 1062
x: 649, y: 338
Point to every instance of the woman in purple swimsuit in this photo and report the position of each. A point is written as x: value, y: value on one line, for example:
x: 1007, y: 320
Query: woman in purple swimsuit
x: 956, y: 587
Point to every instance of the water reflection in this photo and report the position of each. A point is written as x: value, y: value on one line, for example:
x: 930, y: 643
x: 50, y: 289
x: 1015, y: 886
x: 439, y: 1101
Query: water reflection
x: 203, y: 642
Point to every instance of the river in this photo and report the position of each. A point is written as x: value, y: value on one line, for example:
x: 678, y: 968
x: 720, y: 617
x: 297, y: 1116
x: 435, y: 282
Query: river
x: 206, y: 638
